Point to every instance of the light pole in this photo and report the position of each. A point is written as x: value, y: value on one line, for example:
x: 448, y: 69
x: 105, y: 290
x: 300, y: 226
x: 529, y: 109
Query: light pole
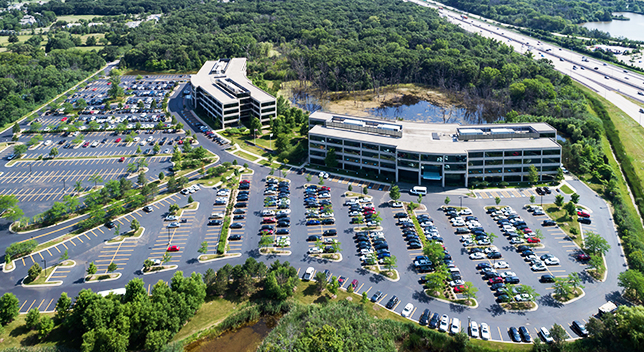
x: 271, y: 141
x: 45, y: 261
x: 542, y: 200
x: 461, y: 201
x: 64, y: 187
x: 168, y: 235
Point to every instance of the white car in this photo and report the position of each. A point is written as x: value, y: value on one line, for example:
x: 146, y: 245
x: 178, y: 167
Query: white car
x: 465, y: 211
x: 490, y: 249
x: 501, y: 265
x: 217, y: 215
x: 477, y: 255
x: 545, y: 335
x: 150, y: 139
x: 455, y: 327
x: 485, y: 331
x: 458, y: 223
x: 444, y: 324
x: 48, y: 142
x: 467, y: 243
x: 539, y: 267
x: 507, y: 274
x: 174, y: 224
x: 407, y: 310
x: 474, y: 330
x: 466, y: 238
x: 523, y: 297
x: 136, y: 139
x: 396, y: 205
x: 456, y: 283
x: 483, y: 242
x: 308, y: 274
x: 354, y: 213
x: 314, y: 250
x: 171, y: 218
x: 516, y: 241
x: 552, y: 261
x: 284, y: 212
x: 366, y: 251
x: 267, y: 212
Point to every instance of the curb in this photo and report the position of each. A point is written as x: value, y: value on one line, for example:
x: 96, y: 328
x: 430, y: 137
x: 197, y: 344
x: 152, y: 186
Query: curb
x: 583, y: 293
x: 331, y: 260
x: 536, y: 306
x: 284, y: 253
x: 450, y: 302
x: 197, y: 208
x: 226, y: 256
x: 171, y: 267
x: 386, y: 277
x: 107, y: 243
x: 104, y: 280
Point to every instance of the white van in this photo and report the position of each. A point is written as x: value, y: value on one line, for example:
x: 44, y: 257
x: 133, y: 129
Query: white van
x: 419, y: 190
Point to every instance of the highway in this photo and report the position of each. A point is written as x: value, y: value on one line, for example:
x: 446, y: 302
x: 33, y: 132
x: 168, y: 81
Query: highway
x: 606, y: 79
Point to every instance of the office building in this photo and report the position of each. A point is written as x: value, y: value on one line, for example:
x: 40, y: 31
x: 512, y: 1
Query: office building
x: 432, y: 154
x: 222, y: 89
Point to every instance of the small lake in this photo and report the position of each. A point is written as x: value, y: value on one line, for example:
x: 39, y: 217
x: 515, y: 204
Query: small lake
x: 633, y: 29
x: 245, y: 339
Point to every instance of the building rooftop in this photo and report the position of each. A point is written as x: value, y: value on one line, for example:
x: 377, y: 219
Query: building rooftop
x: 222, y: 78
x: 435, y: 137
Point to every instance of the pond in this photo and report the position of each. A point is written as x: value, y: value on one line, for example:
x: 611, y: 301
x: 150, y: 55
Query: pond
x: 633, y: 29
x: 245, y: 339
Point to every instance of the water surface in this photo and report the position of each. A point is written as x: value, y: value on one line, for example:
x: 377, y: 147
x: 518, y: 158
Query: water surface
x: 633, y: 29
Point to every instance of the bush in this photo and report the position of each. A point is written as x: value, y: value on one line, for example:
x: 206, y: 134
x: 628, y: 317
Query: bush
x: 21, y: 248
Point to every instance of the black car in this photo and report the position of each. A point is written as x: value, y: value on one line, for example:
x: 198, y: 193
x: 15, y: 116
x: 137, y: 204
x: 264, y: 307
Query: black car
x: 400, y: 215
x: 424, y: 318
x: 109, y: 225
x: 527, y: 253
x: 234, y: 237
x: 548, y: 223
x: 239, y: 217
x: 330, y: 233
x: 494, y: 255
x: 547, y: 278
x: 433, y: 322
x: 313, y: 238
x: 480, y: 266
x: 392, y: 302
x: 361, y: 238
x: 236, y: 225
x: 547, y: 190
x: 215, y: 222
x: 241, y: 205
x: 282, y: 232
x: 414, y: 245
x: 503, y: 298
x: 514, y: 334
x: 239, y: 211
x: 579, y: 328
x: 242, y: 198
x: 582, y: 220
x: 148, y: 209
x: 522, y: 248
x: 525, y: 335
x: 512, y: 280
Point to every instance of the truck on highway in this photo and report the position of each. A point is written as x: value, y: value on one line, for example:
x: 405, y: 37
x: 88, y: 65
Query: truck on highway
x: 584, y: 59
x: 464, y: 17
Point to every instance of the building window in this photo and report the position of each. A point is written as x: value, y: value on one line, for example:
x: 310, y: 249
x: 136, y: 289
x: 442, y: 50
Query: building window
x: 475, y: 163
x: 334, y: 141
x: 387, y: 157
x: 351, y: 151
x: 455, y: 158
x: 476, y: 155
x: 369, y: 154
x: 551, y: 152
x: 531, y: 161
x: 513, y: 153
x: 531, y: 152
x: 405, y: 163
x: 475, y: 171
x: 317, y: 153
x: 386, y: 149
x: 454, y: 167
x: 337, y: 149
x: 493, y: 154
x: 353, y: 160
x: 512, y: 169
x: 316, y: 146
x: 410, y: 156
x: 549, y: 168
x: 551, y: 160
x: 317, y: 161
x: 512, y: 161
x: 352, y: 144
x: 388, y: 165
x: 493, y: 171
x: 493, y: 162
x: 432, y: 158
x: 371, y: 163
x: 369, y: 146
x: 317, y: 138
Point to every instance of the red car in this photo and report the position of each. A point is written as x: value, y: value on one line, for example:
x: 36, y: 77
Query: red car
x: 459, y: 288
x: 64, y: 119
x: 122, y: 159
x: 325, y: 188
x: 496, y: 280
x: 269, y: 220
x: 583, y: 257
x: 173, y: 249
x: 180, y: 142
x: 118, y: 140
x: 583, y: 214
x: 109, y: 83
x: 527, y: 230
x: 354, y: 283
x: 244, y: 181
x: 94, y: 89
x: 369, y: 209
x: 533, y: 240
x: 85, y: 145
x: 267, y: 232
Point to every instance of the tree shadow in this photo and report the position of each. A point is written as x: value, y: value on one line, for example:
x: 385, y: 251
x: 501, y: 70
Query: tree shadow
x: 495, y: 310
x: 254, y: 253
x: 586, y: 278
x: 457, y: 308
x: 421, y: 297
x: 376, y: 278
x: 192, y: 261
x: 310, y: 291
x: 20, y: 330
x: 549, y: 301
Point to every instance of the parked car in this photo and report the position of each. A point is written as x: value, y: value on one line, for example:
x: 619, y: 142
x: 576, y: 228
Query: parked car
x: 392, y: 302
x: 514, y: 334
x: 579, y: 328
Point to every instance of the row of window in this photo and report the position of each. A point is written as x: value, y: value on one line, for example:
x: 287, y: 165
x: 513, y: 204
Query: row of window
x: 348, y: 143
x: 514, y: 161
x: 499, y: 170
x: 514, y: 153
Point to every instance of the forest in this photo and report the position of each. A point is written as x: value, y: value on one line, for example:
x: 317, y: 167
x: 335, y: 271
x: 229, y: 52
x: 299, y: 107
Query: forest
x: 550, y: 15
x: 109, y: 7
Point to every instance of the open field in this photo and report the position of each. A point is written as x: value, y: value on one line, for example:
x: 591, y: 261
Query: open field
x: 75, y: 18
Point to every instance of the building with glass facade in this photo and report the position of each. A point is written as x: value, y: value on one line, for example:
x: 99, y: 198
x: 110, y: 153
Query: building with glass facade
x: 222, y: 89
x: 435, y: 154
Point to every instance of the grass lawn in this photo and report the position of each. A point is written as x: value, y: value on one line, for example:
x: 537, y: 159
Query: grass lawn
x: 501, y: 346
x: 569, y: 296
x: 566, y: 189
x: 127, y: 235
x: 5, y: 39
x: 210, y: 313
x: 16, y: 335
x: 564, y: 221
x: 243, y: 154
x: 192, y: 206
x: 75, y: 18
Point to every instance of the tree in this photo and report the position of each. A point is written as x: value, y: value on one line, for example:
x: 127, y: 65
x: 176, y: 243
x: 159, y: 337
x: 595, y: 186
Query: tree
x: 497, y: 200
x: 96, y: 178
x: 529, y: 290
x: 330, y: 160
x: 320, y: 281
x: 161, y: 175
x: 63, y: 307
x: 558, y: 334
x: 135, y: 225
x: 574, y: 198
x: 156, y: 148
x: 190, y: 199
x: 491, y: 236
x: 447, y: 200
x: 434, y: 252
x: 147, y: 264
x: 166, y: 258
x: 560, y: 175
x: 470, y: 291
x: 33, y: 272
x: 364, y: 298
x: 90, y: 41
x: 203, y: 249
x: 255, y: 126
x: 596, y: 262
x: 561, y: 287
x: 112, y: 267
x: 9, y: 308
x: 308, y: 178
x: 365, y: 190
x: 16, y: 128
x: 19, y: 150
x: 53, y: 152
x: 333, y: 286
x: 394, y: 192
x: 596, y: 244
x: 633, y: 283
x: 91, y: 269
x: 435, y: 282
x: 78, y: 186
x: 532, y: 198
x: 533, y: 174
x: 64, y: 256
x: 390, y: 263
x: 559, y: 200
x: 265, y: 241
x: 45, y: 327
x: 32, y: 319
x: 174, y: 208
x: 575, y: 281
x: 141, y: 180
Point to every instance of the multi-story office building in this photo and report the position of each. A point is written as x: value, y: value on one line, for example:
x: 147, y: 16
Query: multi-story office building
x: 222, y: 89
x: 435, y: 154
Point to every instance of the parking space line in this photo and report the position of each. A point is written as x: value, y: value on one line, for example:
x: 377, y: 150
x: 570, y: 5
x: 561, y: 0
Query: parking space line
x: 48, y: 304
x: 32, y: 304
x: 500, y: 334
